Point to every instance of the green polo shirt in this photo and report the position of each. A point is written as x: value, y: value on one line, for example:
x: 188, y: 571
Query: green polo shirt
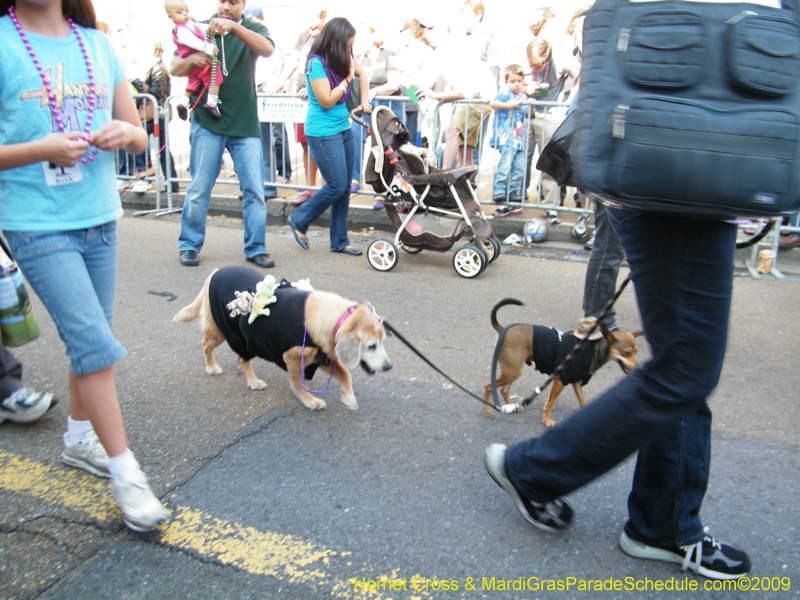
x: 237, y: 93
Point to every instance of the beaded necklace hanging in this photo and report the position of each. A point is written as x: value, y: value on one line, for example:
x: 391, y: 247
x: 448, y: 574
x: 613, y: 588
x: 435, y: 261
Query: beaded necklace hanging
x: 50, y: 94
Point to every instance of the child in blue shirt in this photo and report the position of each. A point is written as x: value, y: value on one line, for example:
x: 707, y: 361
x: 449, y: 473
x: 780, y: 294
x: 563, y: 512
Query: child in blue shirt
x: 508, y: 136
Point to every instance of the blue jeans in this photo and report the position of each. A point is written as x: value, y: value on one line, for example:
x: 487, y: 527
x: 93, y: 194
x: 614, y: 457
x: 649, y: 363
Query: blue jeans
x: 74, y: 273
x: 334, y: 155
x: 604, y: 263
x: 205, y: 160
x: 683, y: 271
x: 509, y: 174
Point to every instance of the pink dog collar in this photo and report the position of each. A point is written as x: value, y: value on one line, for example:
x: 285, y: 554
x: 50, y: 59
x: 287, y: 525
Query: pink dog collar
x: 346, y: 314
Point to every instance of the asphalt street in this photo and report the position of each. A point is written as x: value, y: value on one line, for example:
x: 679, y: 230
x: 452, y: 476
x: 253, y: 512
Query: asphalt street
x: 269, y: 499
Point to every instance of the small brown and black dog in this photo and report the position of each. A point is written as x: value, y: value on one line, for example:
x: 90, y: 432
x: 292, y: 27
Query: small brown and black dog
x: 545, y: 348
x: 304, y: 330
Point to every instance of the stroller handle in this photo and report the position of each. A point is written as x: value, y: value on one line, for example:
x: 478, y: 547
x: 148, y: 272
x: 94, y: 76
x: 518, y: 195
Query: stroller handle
x: 359, y: 120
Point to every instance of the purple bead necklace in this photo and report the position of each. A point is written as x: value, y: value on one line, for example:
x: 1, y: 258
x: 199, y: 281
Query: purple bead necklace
x: 50, y: 94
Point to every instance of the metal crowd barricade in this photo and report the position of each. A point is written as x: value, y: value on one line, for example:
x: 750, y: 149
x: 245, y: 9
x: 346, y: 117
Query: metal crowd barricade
x: 132, y: 168
x: 488, y: 161
x: 286, y: 111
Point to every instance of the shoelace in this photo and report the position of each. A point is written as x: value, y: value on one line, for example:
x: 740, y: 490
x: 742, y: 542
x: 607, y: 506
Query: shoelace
x: 697, y: 550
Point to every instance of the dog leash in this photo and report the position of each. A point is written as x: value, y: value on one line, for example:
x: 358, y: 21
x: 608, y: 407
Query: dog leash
x: 435, y: 368
x: 519, y: 406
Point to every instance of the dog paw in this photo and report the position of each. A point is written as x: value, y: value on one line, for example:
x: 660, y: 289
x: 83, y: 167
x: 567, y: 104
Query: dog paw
x: 214, y: 370
x: 350, y: 403
x: 257, y: 384
x: 314, y: 403
x: 549, y: 423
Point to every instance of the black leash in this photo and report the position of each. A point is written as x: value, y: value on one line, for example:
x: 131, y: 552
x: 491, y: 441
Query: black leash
x: 434, y: 367
x: 519, y: 406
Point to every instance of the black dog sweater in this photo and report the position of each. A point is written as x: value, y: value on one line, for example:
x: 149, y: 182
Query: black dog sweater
x: 550, y: 348
x: 267, y: 337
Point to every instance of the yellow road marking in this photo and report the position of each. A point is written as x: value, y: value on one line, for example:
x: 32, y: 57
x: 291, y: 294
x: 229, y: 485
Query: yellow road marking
x: 285, y: 557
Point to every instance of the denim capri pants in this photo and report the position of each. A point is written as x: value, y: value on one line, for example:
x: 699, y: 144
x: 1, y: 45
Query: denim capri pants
x: 74, y: 273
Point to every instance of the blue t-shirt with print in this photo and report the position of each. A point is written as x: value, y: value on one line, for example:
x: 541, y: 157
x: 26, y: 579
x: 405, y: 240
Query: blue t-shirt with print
x: 509, y: 125
x: 321, y: 122
x: 40, y: 197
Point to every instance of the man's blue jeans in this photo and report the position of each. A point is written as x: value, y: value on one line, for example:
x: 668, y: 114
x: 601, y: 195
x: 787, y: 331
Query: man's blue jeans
x: 205, y: 160
x: 509, y: 174
x: 335, y: 156
x: 683, y: 272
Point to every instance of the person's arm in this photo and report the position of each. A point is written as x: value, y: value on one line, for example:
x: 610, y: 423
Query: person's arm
x: 190, y: 40
x: 499, y: 104
x: 181, y: 67
x: 363, y: 85
x: 257, y: 43
x: 442, y: 96
x: 62, y: 149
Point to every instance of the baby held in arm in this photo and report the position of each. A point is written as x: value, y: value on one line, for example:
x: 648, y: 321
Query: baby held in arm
x: 190, y: 37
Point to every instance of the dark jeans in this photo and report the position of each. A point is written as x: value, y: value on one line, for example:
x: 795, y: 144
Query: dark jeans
x: 334, y: 155
x: 683, y: 272
x: 603, y: 268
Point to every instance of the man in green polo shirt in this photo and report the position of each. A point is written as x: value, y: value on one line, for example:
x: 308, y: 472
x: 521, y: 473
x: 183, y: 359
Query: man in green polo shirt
x: 240, y: 42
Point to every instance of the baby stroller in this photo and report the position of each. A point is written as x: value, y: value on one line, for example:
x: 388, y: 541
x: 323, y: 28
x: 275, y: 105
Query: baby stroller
x: 430, y: 209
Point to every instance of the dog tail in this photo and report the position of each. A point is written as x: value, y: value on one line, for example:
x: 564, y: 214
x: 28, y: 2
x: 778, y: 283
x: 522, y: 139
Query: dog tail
x: 497, y: 327
x: 191, y: 311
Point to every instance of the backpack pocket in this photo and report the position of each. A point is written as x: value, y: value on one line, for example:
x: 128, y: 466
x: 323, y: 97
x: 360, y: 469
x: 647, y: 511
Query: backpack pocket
x: 665, y: 49
x: 740, y: 157
x: 764, y: 54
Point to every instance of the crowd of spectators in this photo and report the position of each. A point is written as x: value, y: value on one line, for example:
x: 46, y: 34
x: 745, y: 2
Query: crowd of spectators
x: 421, y: 60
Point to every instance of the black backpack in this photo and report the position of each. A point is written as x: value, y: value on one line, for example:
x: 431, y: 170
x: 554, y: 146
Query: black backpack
x: 690, y: 107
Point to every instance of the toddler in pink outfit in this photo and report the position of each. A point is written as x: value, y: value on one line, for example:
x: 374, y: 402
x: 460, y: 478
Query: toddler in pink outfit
x: 190, y: 37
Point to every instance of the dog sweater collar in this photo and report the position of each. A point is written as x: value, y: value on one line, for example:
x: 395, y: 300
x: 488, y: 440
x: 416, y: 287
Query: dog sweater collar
x: 345, y: 316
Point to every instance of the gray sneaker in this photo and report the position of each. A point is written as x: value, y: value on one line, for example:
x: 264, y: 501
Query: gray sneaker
x: 25, y: 406
x: 87, y: 454
x: 550, y: 516
x: 708, y: 557
x: 141, y: 510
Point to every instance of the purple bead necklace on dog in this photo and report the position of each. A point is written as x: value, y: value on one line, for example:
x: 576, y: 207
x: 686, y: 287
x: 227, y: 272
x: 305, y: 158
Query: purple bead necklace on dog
x: 50, y: 94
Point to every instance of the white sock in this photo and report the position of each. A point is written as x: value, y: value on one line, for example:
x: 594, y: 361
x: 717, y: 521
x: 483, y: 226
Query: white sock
x: 76, y: 430
x: 119, y: 466
x: 184, y: 101
x: 213, y: 99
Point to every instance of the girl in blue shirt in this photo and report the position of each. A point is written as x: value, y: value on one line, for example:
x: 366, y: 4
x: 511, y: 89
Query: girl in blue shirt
x: 329, y: 74
x: 66, y: 109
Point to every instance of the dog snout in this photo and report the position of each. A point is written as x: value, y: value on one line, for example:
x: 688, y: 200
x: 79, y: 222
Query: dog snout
x: 387, y: 366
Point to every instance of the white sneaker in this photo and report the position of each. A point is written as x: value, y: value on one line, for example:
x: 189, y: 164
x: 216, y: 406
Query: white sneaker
x: 25, y: 406
x: 87, y: 454
x: 122, y: 184
x: 141, y: 510
x: 140, y: 187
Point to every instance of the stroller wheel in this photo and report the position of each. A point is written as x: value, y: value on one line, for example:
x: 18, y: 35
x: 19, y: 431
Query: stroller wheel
x: 469, y: 261
x: 491, y: 246
x: 382, y: 254
x: 410, y: 249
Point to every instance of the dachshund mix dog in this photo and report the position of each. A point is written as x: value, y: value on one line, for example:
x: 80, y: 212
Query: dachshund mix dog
x: 301, y: 330
x: 545, y: 348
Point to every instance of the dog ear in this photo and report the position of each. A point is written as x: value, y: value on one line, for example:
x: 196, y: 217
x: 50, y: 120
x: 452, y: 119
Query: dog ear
x: 348, y: 351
